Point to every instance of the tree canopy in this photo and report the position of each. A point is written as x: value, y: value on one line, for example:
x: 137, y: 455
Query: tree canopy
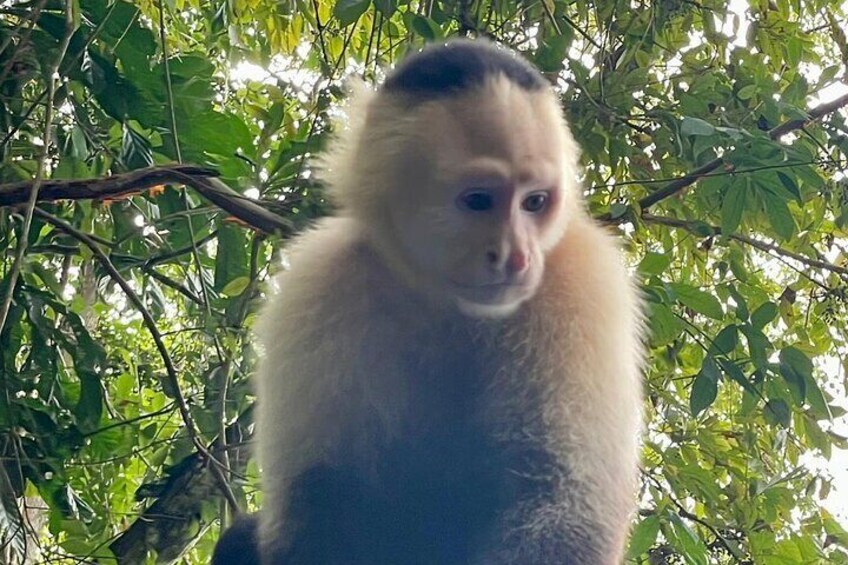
x: 156, y: 160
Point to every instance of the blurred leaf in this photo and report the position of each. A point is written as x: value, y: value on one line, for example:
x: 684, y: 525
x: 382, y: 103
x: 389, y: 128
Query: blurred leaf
x: 704, y: 391
x: 643, y: 537
x: 698, y: 300
x: 732, y: 207
x: 348, y: 11
x: 777, y: 412
x: 654, y: 263
x: 763, y: 315
x: 695, y: 126
x: 231, y: 262
x: 779, y: 216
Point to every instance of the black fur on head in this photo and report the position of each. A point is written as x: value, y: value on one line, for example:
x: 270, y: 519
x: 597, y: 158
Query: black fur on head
x: 446, y: 69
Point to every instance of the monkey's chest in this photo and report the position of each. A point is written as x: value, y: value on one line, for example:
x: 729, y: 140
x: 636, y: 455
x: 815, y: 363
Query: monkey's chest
x: 431, y: 496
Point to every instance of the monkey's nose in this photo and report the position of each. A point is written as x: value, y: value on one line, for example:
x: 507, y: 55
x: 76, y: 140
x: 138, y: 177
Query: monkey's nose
x: 515, y: 262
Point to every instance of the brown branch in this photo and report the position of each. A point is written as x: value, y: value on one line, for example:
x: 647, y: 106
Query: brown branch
x: 112, y: 187
x: 239, y: 206
x: 756, y: 243
x: 679, y: 184
x: 121, y: 185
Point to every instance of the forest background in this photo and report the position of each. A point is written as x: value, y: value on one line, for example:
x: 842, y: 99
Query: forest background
x: 156, y: 161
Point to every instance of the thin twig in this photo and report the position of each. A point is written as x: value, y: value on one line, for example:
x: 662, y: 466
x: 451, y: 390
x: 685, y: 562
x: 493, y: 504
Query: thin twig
x: 677, y: 185
x: 150, y: 324
x: 321, y: 28
x: 583, y: 33
x: 169, y: 91
x: 23, y: 239
x: 756, y: 243
x: 167, y: 281
x: 710, y: 175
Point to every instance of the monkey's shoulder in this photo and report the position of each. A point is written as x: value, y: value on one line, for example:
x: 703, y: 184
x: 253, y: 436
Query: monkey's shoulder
x: 336, y: 293
x: 587, y: 264
x: 330, y: 264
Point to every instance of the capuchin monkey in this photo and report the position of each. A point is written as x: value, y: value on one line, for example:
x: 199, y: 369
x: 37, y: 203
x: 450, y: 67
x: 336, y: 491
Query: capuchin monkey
x: 452, y: 363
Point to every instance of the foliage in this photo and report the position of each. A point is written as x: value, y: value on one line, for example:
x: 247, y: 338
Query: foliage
x: 693, y: 121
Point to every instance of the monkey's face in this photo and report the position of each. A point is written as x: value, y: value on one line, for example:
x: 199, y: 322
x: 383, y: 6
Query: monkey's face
x: 485, y: 194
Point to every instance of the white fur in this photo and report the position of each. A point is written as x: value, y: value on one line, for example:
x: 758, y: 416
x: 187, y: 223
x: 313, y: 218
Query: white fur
x: 365, y: 295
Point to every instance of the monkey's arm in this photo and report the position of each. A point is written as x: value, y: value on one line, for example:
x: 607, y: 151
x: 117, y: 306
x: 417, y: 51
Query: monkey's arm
x: 240, y: 543
x: 328, y: 397
x: 584, y: 355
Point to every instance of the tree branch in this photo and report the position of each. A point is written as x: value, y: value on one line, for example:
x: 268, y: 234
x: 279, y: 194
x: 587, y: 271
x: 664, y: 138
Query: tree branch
x: 106, y: 188
x: 125, y: 184
x: 679, y: 184
x: 756, y: 243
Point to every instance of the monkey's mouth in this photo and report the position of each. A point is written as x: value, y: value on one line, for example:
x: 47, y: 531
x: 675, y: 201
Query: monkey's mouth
x: 494, y: 293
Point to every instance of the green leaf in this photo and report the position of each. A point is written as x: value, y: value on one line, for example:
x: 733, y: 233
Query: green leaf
x: 89, y: 362
x: 348, y: 11
x: 552, y: 53
x: 790, y: 185
x: 654, y: 263
x: 795, y: 382
x: 732, y: 206
x: 386, y: 7
x: 686, y: 541
x: 424, y: 27
x: 236, y: 286
x: 617, y: 210
x: 695, y: 126
x: 798, y: 360
x: 759, y: 346
x: 702, y: 229
x: 703, y: 394
x: 231, y: 261
x: 777, y: 412
x: 725, y: 342
x: 816, y: 399
x: 796, y: 368
x: 643, y: 537
x: 747, y: 92
x: 763, y: 315
x: 779, y: 216
x: 736, y: 374
x: 741, y: 304
x: 698, y: 300
x: 665, y: 326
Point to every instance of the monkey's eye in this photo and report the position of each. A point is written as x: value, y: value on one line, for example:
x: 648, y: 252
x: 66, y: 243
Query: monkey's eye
x: 536, y: 202
x: 477, y: 201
